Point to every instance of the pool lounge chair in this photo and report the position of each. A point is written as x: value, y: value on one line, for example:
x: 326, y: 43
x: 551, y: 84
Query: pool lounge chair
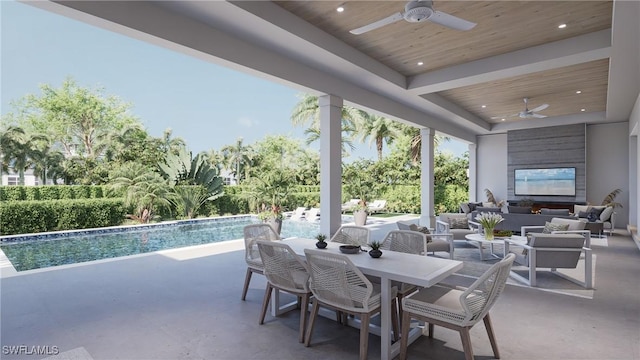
x: 298, y: 213
x: 377, y: 206
x: 349, y: 204
x: 313, y: 215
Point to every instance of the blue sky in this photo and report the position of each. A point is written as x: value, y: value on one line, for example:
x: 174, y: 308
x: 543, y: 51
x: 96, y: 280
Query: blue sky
x: 209, y: 106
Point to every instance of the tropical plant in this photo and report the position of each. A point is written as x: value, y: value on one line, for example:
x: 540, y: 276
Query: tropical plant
x: 182, y: 169
x: 492, y: 199
x: 189, y: 199
x: 145, y: 190
x: 378, y: 129
x: 20, y: 150
x: 270, y: 192
x: 375, y: 245
x: 238, y: 158
x: 321, y: 237
x: 609, y: 200
x: 358, y: 183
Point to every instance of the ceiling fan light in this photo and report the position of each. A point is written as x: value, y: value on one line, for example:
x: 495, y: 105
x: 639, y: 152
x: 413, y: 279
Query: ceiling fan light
x: 562, y: 26
x: 340, y: 8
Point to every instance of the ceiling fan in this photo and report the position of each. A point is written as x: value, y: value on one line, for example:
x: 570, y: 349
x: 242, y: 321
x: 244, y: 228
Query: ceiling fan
x: 418, y: 11
x: 526, y: 113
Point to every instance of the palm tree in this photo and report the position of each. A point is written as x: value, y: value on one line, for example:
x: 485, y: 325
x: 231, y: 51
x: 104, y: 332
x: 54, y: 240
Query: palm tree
x: 145, y: 190
x: 172, y: 145
x: 416, y: 141
x: 379, y: 130
x: 307, y: 112
x: 19, y: 150
x: 238, y: 158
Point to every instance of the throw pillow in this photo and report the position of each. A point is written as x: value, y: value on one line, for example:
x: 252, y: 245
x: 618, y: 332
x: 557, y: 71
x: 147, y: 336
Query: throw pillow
x: 594, y: 214
x: 519, y: 209
x: 458, y: 223
x: 606, y: 213
x: 474, y: 205
x: 549, y: 227
x: 560, y: 212
x: 465, y: 208
x: 488, y: 209
x: 583, y: 214
x: 422, y: 229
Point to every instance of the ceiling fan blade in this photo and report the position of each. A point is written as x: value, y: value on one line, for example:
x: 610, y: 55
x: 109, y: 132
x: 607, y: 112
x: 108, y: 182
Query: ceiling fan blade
x: 540, y: 108
x: 378, y: 24
x: 451, y: 21
x: 538, y: 116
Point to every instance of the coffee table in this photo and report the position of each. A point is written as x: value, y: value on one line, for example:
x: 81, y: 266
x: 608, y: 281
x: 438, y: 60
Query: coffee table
x: 480, y: 240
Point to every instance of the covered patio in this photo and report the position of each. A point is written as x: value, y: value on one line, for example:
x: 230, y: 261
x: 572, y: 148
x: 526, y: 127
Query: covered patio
x: 185, y: 304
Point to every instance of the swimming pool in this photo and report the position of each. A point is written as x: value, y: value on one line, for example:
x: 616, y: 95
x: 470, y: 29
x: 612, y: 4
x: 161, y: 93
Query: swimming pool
x: 39, y: 251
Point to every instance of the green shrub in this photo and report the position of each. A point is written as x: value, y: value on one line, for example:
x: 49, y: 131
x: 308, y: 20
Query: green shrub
x: 50, y: 192
x: 23, y: 217
x: 32, y: 193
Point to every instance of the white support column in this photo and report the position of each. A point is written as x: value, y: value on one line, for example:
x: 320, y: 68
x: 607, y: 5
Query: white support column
x: 473, y: 174
x: 330, y: 163
x: 427, y: 217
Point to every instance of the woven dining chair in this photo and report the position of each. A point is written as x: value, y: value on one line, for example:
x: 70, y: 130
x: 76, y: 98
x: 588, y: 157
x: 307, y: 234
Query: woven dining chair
x: 410, y: 242
x: 253, y: 233
x: 285, y: 271
x: 352, y: 235
x: 338, y: 284
x: 457, y: 309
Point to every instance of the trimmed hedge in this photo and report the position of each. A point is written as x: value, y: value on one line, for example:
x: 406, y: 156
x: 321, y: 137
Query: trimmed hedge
x: 24, y: 217
x: 52, y: 192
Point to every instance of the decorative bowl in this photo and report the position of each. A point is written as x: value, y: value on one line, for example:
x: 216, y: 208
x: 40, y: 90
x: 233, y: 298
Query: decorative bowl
x: 349, y: 249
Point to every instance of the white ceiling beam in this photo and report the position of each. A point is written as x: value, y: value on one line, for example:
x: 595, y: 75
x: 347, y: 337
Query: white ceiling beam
x: 624, y: 72
x: 572, y: 51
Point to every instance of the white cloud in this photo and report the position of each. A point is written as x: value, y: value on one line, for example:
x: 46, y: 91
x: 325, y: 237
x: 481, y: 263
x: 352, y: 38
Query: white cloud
x: 246, y: 122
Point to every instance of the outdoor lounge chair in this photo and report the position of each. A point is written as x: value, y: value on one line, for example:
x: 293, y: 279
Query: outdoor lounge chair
x: 554, y: 251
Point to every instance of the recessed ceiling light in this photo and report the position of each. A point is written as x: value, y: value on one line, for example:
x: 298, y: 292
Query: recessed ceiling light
x: 578, y: 92
x: 340, y: 8
x: 420, y: 63
x: 583, y: 109
x: 562, y: 26
x: 502, y: 119
x: 484, y: 106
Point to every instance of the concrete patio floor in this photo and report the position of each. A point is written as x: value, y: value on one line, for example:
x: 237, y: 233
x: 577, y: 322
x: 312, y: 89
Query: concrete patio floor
x: 185, y: 304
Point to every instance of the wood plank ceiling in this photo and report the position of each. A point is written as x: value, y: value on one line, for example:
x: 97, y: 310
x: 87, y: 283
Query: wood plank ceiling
x: 503, y: 27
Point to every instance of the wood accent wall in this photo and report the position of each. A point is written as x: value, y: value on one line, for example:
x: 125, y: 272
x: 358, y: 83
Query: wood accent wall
x: 549, y: 147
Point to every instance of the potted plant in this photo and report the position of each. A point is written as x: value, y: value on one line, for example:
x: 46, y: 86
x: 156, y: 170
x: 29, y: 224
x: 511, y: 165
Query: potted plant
x: 359, y: 185
x: 489, y: 220
x: 272, y: 188
x: 321, y: 244
x: 375, y: 251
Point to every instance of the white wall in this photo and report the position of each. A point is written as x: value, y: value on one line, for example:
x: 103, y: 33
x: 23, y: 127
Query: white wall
x: 492, y: 166
x: 608, y: 166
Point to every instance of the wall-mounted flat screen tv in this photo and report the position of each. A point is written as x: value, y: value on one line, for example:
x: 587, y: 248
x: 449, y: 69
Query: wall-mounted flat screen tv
x: 550, y: 181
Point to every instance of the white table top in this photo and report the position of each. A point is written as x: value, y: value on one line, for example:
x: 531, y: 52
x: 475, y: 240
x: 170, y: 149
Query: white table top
x: 514, y: 239
x: 409, y: 268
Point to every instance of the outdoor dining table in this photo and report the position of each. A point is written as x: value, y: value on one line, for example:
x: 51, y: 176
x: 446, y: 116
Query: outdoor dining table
x: 408, y: 268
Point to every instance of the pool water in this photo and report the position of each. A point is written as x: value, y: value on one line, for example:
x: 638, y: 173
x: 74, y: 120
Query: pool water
x: 40, y: 253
